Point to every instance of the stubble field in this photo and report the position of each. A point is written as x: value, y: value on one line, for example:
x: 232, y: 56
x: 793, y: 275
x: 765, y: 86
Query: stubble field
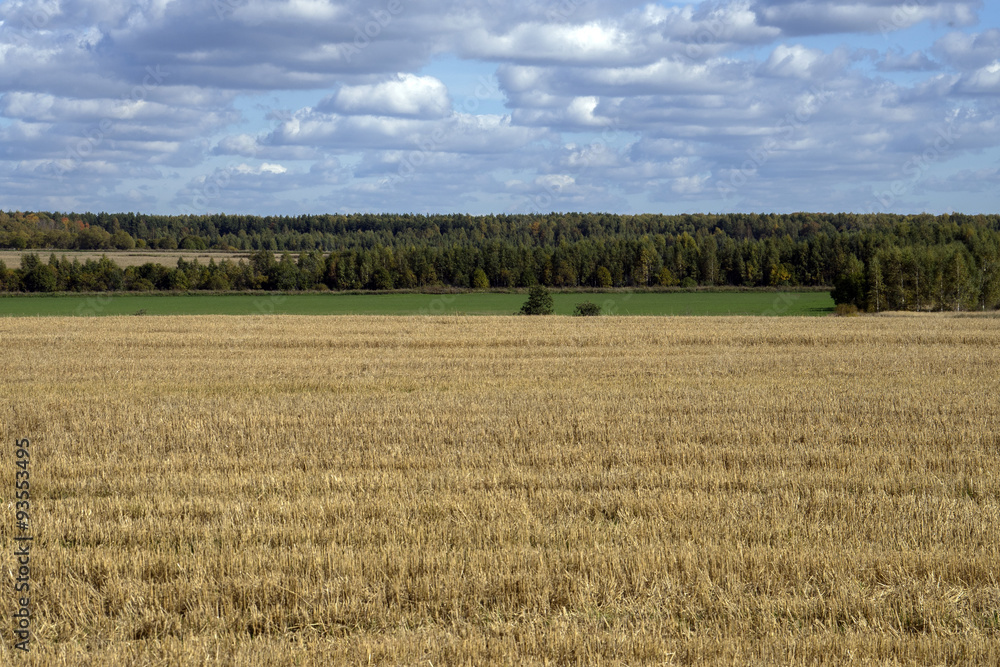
x: 506, y: 490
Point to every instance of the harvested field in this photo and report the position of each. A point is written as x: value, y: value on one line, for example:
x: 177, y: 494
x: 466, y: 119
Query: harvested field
x: 508, y: 490
x: 124, y: 258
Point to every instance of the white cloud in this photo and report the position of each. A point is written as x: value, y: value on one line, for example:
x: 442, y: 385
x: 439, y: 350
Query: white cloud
x: 264, y: 168
x: 593, y: 42
x: 794, y: 61
x: 457, y: 132
x: 690, y: 185
x: 403, y: 95
x: 558, y: 182
x: 581, y: 111
x: 256, y: 12
x: 664, y: 102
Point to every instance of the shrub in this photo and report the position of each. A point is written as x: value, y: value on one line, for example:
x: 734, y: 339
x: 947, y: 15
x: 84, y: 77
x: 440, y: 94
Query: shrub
x: 846, y: 310
x: 587, y: 309
x: 539, y: 302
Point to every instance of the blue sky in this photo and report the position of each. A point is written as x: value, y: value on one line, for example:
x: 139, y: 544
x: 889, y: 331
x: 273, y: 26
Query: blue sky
x: 310, y: 106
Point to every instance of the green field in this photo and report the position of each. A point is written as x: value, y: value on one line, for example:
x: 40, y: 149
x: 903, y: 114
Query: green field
x: 612, y: 303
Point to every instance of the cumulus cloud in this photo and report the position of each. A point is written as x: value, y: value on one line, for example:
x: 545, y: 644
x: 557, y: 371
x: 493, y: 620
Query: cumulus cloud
x: 794, y: 61
x: 264, y: 168
x: 403, y: 95
x: 608, y: 106
x: 593, y: 42
x: 458, y: 132
x: 638, y: 37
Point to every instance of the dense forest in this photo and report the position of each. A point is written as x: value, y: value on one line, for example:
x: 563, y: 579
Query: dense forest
x: 876, y: 262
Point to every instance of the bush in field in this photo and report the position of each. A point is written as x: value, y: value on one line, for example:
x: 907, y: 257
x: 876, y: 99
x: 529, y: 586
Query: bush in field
x: 846, y: 310
x: 539, y: 302
x: 587, y: 309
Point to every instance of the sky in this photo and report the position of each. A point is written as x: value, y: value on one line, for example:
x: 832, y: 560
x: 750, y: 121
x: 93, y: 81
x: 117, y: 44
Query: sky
x: 288, y: 107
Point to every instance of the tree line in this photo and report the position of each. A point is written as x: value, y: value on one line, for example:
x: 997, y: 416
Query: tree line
x: 875, y: 262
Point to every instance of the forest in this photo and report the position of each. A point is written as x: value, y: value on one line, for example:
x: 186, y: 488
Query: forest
x: 875, y: 261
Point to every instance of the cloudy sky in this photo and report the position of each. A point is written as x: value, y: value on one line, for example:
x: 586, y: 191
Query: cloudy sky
x: 499, y: 106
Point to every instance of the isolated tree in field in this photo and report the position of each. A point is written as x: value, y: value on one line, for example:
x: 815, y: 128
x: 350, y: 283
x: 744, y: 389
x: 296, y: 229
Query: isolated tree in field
x: 539, y: 302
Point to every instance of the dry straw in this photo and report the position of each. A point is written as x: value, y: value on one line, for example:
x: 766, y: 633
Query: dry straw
x: 271, y: 490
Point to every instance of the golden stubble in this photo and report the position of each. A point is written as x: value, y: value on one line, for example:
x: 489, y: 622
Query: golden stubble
x: 315, y: 490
